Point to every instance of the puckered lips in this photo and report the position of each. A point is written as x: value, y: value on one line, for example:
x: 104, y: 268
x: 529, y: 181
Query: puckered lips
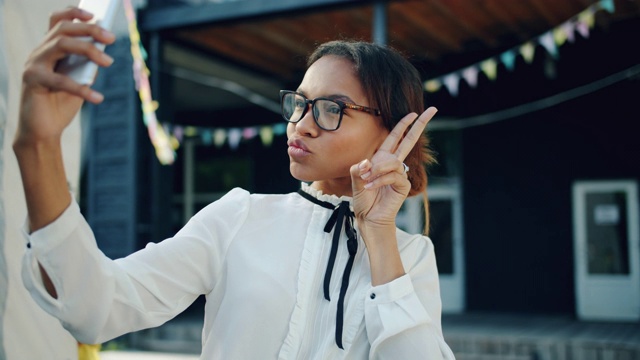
x: 297, y: 148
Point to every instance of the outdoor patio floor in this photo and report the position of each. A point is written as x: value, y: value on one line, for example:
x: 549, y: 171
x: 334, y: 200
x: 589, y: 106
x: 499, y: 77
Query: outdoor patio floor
x: 472, y: 336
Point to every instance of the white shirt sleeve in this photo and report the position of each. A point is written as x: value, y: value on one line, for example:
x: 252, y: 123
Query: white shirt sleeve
x: 99, y: 298
x: 403, y: 316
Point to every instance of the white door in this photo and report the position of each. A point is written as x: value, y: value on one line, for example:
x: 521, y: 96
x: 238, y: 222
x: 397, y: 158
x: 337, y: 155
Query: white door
x: 606, y: 250
x: 445, y: 207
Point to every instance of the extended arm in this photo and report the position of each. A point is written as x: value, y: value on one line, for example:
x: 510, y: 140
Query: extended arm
x: 49, y: 102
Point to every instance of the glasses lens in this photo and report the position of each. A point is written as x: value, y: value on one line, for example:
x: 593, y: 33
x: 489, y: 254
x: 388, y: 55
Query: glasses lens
x: 327, y: 113
x: 293, y: 106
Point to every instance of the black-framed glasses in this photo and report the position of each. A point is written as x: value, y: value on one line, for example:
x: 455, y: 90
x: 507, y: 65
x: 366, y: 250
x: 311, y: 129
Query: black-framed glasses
x: 327, y: 113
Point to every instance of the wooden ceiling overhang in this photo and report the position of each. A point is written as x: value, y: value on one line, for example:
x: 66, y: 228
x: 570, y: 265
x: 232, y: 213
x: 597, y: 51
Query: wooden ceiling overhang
x: 274, y: 37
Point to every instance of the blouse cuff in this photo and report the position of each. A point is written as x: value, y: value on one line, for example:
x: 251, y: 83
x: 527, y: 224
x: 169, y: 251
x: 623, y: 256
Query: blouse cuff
x: 51, y: 235
x: 391, y: 291
x: 39, y: 243
x: 391, y: 309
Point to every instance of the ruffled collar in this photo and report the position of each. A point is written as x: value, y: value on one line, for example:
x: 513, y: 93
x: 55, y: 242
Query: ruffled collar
x: 318, y: 194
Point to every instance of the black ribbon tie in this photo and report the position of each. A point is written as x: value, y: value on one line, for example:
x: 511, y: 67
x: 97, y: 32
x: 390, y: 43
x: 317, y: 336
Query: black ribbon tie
x: 341, y: 215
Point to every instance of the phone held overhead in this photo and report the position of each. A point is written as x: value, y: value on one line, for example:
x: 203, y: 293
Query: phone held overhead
x: 79, y: 67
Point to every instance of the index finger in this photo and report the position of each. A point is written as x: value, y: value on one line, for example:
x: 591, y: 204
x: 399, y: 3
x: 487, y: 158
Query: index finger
x: 69, y: 14
x: 399, y: 143
x: 412, y: 137
x: 391, y: 141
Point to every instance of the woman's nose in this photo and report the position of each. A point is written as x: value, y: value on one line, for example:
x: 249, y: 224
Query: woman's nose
x: 307, y: 125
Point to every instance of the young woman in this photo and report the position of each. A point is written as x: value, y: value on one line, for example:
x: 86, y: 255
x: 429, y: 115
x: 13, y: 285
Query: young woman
x: 322, y: 273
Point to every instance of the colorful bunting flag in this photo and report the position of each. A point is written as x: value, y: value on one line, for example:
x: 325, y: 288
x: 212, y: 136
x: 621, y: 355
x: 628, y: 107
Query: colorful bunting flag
x: 163, y: 144
x: 451, y: 81
x: 219, y: 136
x: 508, y: 58
x: 280, y: 129
x: 608, y: 5
x: 432, y: 85
x: 266, y: 135
x: 234, y: 135
x: 470, y: 75
x: 559, y: 36
x: 490, y: 68
x: 528, y: 50
x: 550, y: 41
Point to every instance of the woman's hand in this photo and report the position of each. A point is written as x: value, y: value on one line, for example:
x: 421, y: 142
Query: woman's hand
x: 50, y: 100
x: 380, y: 185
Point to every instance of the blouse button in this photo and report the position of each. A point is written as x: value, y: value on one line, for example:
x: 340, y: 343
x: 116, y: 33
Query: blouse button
x: 372, y: 296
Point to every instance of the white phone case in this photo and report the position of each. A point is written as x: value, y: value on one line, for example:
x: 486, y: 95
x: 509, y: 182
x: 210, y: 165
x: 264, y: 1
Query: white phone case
x: 78, y: 67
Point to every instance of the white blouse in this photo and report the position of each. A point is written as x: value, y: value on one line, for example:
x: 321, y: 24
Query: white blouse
x: 260, y: 260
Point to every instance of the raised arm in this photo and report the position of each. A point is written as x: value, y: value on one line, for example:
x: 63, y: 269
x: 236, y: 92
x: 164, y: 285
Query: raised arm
x: 49, y: 101
x: 402, y: 313
x: 380, y: 186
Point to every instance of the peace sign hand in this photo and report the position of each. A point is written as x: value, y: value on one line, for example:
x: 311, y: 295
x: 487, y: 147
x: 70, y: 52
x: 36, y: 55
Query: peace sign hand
x: 380, y: 185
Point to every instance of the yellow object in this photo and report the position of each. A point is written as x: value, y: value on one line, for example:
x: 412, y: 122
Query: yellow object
x: 88, y: 352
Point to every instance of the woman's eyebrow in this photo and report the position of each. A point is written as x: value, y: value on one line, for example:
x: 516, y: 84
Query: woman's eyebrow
x: 339, y: 97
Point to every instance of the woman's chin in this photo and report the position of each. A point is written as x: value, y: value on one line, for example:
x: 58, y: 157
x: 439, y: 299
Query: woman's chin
x: 299, y: 175
x: 302, y: 178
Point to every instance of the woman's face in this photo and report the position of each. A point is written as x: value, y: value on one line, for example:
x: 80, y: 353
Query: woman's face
x: 325, y: 157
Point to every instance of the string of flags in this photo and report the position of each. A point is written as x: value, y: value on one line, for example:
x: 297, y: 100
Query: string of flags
x: 581, y: 23
x: 163, y: 144
x: 167, y: 139
x: 232, y: 136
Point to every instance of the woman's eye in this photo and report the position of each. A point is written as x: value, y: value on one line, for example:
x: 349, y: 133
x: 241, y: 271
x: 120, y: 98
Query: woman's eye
x: 300, y: 103
x: 333, y: 109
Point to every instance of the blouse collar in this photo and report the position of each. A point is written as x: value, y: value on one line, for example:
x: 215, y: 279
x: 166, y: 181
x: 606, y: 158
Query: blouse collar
x: 318, y: 194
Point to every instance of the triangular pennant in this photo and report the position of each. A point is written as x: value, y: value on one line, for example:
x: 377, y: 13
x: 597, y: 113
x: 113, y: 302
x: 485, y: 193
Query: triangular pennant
x: 175, y: 143
x: 249, y: 133
x: 508, y: 58
x: 219, y: 137
x: 235, y: 135
x: 569, y: 28
x: 490, y: 68
x: 547, y: 41
x: 559, y: 36
x: 266, y: 135
x: 190, y: 131
x: 162, y: 145
x: 608, y: 5
x: 583, y: 29
x: 433, y: 85
x: 528, y: 50
x: 470, y: 75
x: 205, y: 136
x: 279, y: 128
x: 587, y: 17
x: 178, y: 132
x: 451, y: 81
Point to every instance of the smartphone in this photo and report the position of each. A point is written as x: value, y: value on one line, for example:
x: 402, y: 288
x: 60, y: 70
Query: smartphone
x: 79, y: 67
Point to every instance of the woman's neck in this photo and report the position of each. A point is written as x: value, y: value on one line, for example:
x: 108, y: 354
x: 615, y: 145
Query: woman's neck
x: 338, y: 187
